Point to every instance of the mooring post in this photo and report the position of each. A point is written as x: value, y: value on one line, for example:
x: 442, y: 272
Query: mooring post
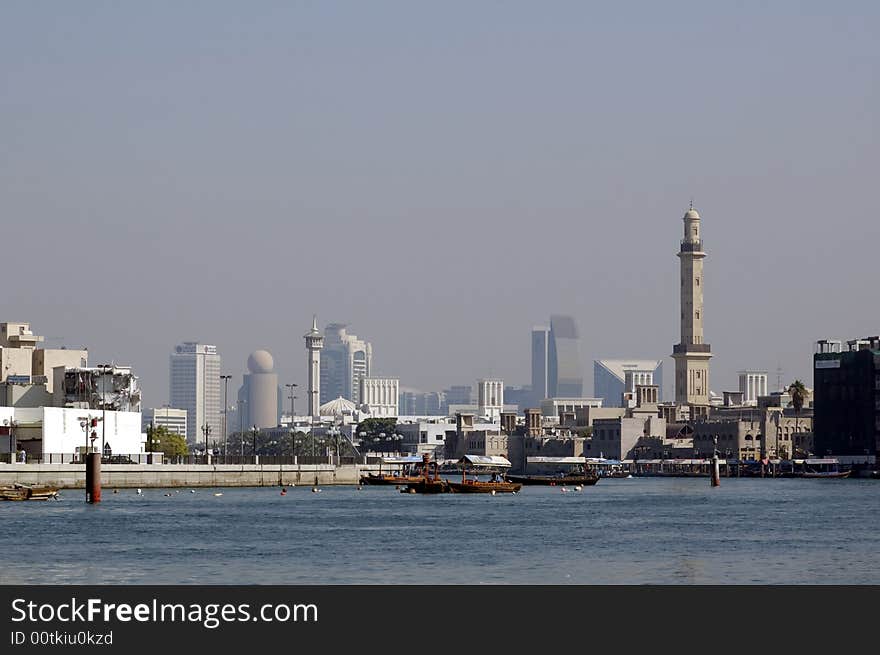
x: 93, y: 478
x: 716, y: 471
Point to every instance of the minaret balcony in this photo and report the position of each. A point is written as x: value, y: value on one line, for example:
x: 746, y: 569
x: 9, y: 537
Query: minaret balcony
x: 687, y: 348
x: 691, y: 246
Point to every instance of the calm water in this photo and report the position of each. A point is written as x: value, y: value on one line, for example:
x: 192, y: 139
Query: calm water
x: 638, y: 530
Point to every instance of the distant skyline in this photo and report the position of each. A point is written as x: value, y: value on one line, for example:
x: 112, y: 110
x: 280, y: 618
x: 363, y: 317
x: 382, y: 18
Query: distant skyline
x: 441, y: 177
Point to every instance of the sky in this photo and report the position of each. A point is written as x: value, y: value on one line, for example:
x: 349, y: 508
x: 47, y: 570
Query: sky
x: 440, y: 176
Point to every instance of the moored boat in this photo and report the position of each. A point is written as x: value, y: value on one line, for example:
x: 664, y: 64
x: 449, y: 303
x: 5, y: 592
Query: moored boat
x: 28, y: 492
x: 474, y: 486
x: 554, y: 480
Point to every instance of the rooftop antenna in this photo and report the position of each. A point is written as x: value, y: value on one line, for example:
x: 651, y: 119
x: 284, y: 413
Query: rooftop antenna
x: 692, y: 203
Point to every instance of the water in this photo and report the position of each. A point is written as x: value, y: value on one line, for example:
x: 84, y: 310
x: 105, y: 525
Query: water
x: 631, y: 531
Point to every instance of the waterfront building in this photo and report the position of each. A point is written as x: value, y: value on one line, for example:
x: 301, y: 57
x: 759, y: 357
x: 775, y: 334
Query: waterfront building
x: 314, y: 345
x: 420, y: 437
x: 565, y: 376
x: 22, y: 362
x: 174, y: 420
x: 106, y: 386
x: 346, y: 359
x: 613, y: 378
x: 195, y: 387
x: 692, y: 354
x: 752, y: 384
x: 64, y: 433
x: 379, y: 396
x: 846, y: 404
x: 259, y: 390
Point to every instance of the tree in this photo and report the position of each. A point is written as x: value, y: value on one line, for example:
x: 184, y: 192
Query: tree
x: 798, y: 393
x: 169, y: 443
x: 373, y: 427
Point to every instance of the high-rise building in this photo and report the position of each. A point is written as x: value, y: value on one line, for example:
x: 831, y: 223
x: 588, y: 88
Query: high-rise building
x: 314, y: 345
x: 614, y: 377
x: 691, y: 355
x: 195, y: 387
x: 168, y: 417
x: 345, y: 361
x: 564, y: 372
x: 540, y: 363
x: 846, y: 389
x: 259, y: 390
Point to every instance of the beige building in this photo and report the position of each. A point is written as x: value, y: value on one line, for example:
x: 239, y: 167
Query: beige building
x: 379, y: 396
x: 29, y: 369
x: 691, y: 354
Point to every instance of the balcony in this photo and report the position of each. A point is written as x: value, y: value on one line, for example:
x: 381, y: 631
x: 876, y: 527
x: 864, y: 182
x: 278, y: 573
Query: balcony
x: 684, y: 348
x: 691, y: 246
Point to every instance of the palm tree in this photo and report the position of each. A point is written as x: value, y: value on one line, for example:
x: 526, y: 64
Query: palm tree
x: 798, y: 393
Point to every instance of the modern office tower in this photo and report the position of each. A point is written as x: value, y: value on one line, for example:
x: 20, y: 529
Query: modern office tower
x: 540, y: 364
x: 195, y: 387
x: 379, y: 396
x: 614, y: 377
x: 846, y: 389
x: 314, y: 344
x: 457, y: 394
x: 691, y: 355
x: 259, y: 390
x: 752, y: 384
x: 490, y: 398
x: 168, y: 417
x: 345, y: 361
x: 564, y: 371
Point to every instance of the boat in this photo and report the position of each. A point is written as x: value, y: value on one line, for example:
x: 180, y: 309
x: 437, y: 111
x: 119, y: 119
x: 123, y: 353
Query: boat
x: 427, y: 483
x: 28, y: 492
x: 826, y: 474
x: 568, y: 479
x: 584, y: 475
x: 474, y: 486
x: 395, y: 479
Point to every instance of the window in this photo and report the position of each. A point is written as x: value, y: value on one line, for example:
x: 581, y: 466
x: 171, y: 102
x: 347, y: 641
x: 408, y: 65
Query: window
x: 698, y: 313
x: 697, y: 281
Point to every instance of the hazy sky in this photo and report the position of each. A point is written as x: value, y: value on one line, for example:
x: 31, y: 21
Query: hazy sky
x: 442, y: 176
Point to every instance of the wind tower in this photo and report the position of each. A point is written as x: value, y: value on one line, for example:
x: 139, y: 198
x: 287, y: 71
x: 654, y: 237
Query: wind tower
x: 691, y: 355
x: 314, y: 344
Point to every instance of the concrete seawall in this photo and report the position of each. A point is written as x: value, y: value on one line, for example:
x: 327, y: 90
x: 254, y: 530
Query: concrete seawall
x: 73, y: 476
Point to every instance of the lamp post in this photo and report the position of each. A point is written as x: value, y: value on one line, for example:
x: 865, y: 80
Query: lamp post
x: 225, y: 379
x: 207, y: 430
x: 254, y: 429
x: 241, y: 404
x: 291, y: 387
x: 103, y: 368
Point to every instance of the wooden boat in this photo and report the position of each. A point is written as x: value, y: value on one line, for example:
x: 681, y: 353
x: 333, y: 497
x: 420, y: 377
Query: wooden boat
x: 473, y: 486
x: 555, y: 480
x: 395, y: 478
x: 427, y: 483
x: 388, y: 479
x: 825, y: 474
x: 28, y: 492
x: 467, y: 486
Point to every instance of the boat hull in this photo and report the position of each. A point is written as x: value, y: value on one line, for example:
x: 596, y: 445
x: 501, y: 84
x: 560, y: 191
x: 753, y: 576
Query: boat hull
x: 472, y: 487
x: 26, y: 492
x: 388, y: 479
x: 424, y: 486
x: 551, y: 481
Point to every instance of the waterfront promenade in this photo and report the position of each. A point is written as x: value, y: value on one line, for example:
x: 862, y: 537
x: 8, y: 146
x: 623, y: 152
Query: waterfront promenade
x: 72, y: 476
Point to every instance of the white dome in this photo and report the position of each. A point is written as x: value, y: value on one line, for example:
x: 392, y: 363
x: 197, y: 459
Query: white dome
x: 261, y: 361
x: 337, y: 407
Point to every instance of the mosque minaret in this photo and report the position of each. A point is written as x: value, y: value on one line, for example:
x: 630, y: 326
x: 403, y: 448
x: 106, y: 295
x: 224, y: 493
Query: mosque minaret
x: 314, y: 344
x: 691, y: 355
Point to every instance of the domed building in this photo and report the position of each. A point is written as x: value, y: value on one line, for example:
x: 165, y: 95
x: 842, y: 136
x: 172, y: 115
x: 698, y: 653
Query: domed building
x: 339, y: 408
x: 259, y: 391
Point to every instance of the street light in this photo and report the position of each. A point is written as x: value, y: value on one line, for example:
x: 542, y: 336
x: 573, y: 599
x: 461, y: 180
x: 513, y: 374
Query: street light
x: 225, y: 379
x: 254, y: 452
x: 241, y: 404
x: 103, y: 368
x: 291, y: 386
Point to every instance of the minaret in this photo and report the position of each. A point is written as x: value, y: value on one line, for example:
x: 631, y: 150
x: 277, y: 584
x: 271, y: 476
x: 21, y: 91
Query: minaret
x: 691, y: 355
x: 314, y: 344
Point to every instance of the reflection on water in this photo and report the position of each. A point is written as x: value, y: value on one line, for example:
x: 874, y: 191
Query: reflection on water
x: 631, y: 531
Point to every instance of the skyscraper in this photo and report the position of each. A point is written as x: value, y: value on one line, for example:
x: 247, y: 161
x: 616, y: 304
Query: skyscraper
x: 691, y: 355
x: 564, y: 372
x: 195, y: 387
x: 540, y: 360
x: 345, y: 361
